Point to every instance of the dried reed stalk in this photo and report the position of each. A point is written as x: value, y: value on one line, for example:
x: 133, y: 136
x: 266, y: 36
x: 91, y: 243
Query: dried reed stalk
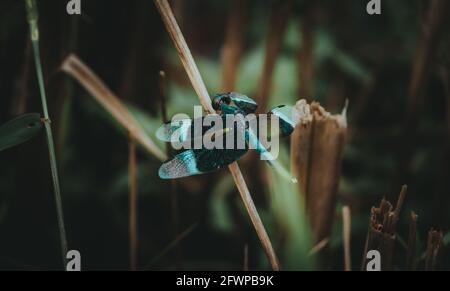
x: 246, y: 260
x: 319, y: 247
x: 180, y: 237
x: 432, y: 33
x: 435, y: 242
x: 306, y: 55
x: 234, y: 44
x: 412, y: 238
x: 347, y: 228
x: 381, y: 235
x: 199, y: 86
x: 317, y: 146
x: 277, y: 27
x: 378, y: 238
x: 103, y: 95
x: 132, y: 203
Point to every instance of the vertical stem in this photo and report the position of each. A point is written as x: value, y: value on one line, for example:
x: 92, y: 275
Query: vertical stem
x: 435, y: 243
x: 246, y: 261
x: 277, y: 28
x: 173, y: 183
x: 433, y: 33
x: 132, y: 184
x: 411, y: 251
x: 34, y: 31
x: 197, y: 82
x: 234, y: 43
x: 347, y: 236
x: 306, y: 55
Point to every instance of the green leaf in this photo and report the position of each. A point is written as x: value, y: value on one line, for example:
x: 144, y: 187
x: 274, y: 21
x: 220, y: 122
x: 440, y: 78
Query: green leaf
x: 19, y: 130
x: 221, y: 216
x: 287, y: 206
x: 447, y: 239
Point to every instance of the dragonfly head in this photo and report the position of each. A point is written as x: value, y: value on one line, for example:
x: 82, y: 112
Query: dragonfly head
x: 220, y: 99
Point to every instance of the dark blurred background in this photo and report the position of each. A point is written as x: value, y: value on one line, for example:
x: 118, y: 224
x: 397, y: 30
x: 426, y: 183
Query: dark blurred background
x: 393, y: 68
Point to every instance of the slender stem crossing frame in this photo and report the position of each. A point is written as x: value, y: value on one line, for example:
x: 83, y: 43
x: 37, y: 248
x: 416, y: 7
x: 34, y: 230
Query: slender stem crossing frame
x: 32, y: 16
x: 199, y: 86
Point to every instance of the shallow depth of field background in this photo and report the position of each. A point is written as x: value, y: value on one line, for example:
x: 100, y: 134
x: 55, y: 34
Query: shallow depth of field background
x: 366, y: 59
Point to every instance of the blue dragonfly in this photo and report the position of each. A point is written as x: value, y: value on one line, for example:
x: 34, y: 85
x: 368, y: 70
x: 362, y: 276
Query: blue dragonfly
x: 195, y: 161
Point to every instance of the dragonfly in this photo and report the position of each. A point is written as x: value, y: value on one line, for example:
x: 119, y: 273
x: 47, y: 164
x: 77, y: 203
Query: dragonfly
x: 195, y: 161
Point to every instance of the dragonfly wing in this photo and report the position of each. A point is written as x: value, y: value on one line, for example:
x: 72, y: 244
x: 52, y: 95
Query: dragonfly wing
x: 182, y: 165
x: 286, y: 119
x: 187, y: 129
x: 174, y: 130
x: 194, y: 162
x: 244, y: 102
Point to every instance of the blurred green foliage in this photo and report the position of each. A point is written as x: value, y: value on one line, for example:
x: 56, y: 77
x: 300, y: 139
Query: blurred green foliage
x: 369, y: 58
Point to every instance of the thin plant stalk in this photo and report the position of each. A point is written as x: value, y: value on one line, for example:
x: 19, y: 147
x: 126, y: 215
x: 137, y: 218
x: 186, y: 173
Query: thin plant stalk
x: 319, y: 247
x: 103, y: 95
x: 281, y: 10
x: 233, y: 46
x: 246, y: 260
x: 434, y: 245
x: 382, y: 231
x: 412, y: 240
x: 173, y: 183
x: 171, y: 245
x: 200, y: 88
x: 132, y: 184
x: 347, y: 222
x: 32, y: 15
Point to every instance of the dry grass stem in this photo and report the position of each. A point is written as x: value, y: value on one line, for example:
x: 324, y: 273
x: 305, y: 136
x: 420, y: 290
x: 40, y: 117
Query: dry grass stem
x: 412, y: 238
x: 432, y: 33
x: 103, y: 95
x: 234, y: 44
x: 306, y: 55
x: 382, y: 231
x: 434, y: 245
x: 347, y: 228
x: 200, y: 88
x: 319, y: 247
x: 277, y: 28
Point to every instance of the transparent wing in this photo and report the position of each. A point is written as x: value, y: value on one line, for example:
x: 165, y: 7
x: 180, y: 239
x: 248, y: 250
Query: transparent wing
x: 194, y: 162
x: 286, y: 115
x: 169, y: 131
x: 244, y: 102
x: 187, y: 129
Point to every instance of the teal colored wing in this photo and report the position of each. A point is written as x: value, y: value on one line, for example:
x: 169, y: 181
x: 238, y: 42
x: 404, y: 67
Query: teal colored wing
x: 286, y: 119
x: 194, y: 162
x: 187, y: 129
x: 247, y: 104
x: 178, y: 130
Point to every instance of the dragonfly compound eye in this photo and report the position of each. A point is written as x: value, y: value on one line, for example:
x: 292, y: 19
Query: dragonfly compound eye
x: 218, y: 100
